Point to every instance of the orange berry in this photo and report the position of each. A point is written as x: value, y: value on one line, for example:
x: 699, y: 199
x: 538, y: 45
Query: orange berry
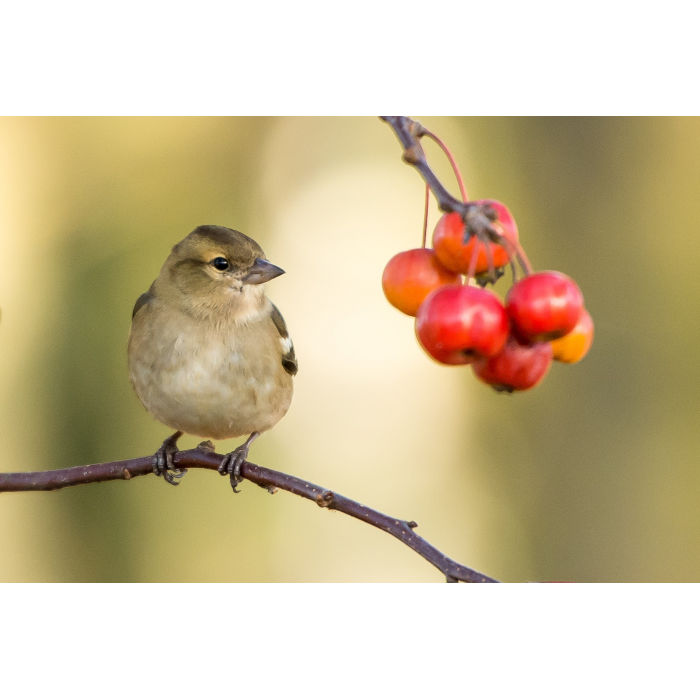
x: 455, y: 254
x: 574, y: 346
x: 410, y: 276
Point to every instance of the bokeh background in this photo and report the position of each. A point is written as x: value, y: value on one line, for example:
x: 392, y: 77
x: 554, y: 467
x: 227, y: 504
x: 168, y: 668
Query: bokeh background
x: 593, y: 476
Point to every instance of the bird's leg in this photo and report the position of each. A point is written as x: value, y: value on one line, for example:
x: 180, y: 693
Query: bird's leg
x: 233, y: 461
x: 163, y: 464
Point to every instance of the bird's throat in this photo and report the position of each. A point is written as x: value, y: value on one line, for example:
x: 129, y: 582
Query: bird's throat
x: 248, y: 306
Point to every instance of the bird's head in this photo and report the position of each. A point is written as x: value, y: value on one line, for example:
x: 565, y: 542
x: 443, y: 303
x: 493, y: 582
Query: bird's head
x: 217, y: 270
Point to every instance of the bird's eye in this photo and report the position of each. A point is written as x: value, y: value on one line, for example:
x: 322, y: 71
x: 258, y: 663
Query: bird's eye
x: 220, y: 263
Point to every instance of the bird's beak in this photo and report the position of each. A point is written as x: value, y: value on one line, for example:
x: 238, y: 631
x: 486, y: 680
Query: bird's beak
x: 262, y: 271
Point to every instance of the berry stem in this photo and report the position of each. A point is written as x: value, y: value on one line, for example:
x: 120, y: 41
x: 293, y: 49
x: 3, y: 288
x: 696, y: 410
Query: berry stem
x: 425, y: 215
x: 516, y: 252
x: 522, y: 259
x: 453, y: 163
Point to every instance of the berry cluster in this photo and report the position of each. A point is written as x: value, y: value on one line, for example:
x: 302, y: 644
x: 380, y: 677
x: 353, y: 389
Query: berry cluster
x: 509, y: 345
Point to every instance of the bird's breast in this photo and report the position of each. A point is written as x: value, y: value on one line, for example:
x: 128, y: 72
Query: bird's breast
x: 212, y: 380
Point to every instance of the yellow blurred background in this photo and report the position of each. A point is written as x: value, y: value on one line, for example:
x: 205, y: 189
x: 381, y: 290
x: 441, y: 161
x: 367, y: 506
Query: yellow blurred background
x: 592, y: 476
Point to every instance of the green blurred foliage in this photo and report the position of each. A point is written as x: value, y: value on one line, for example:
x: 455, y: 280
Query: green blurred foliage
x: 590, y: 477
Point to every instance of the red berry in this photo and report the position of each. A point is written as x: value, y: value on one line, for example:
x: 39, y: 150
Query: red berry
x: 457, y: 324
x: 410, y: 276
x: 574, y: 346
x: 517, y: 367
x: 544, y: 306
x: 455, y: 254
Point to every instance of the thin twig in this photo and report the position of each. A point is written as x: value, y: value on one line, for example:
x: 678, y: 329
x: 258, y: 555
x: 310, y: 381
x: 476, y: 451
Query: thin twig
x: 409, y: 133
x: 266, y: 478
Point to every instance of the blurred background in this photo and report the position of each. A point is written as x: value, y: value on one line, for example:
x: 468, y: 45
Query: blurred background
x: 592, y: 476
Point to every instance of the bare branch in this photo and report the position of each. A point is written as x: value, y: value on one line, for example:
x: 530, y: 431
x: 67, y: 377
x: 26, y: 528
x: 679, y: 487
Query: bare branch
x: 265, y: 478
x: 409, y: 132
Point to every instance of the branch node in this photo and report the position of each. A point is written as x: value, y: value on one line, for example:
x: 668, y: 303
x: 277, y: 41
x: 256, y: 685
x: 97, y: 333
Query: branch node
x: 272, y: 490
x: 412, y: 524
x: 206, y: 446
x: 126, y: 474
x: 451, y: 579
x: 416, y: 128
x: 413, y: 155
x: 325, y: 499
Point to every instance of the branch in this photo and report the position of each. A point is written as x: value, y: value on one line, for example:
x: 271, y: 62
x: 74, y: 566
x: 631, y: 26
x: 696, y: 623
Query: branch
x: 409, y: 133
x: 265, y: 478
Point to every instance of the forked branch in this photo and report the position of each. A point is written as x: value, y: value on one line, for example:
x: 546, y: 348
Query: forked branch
x: 409, y: 133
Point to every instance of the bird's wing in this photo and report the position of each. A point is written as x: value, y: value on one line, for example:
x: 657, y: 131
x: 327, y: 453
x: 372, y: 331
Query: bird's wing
x: 142, y: 301
x: 289, y: 359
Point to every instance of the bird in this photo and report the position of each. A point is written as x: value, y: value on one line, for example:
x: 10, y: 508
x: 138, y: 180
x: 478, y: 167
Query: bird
x: 208, y: 353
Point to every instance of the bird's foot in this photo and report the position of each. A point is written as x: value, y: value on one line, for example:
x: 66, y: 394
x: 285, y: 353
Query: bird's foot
x: 163, y: 464
x: 233, y: 462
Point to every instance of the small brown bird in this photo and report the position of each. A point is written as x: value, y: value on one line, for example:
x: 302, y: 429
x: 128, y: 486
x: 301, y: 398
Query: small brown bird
x: 209, y: 354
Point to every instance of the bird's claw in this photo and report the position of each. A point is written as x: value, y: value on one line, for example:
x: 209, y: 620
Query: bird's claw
x: 233, y: 461
x: 231, y: 465
x: 163, y: 464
